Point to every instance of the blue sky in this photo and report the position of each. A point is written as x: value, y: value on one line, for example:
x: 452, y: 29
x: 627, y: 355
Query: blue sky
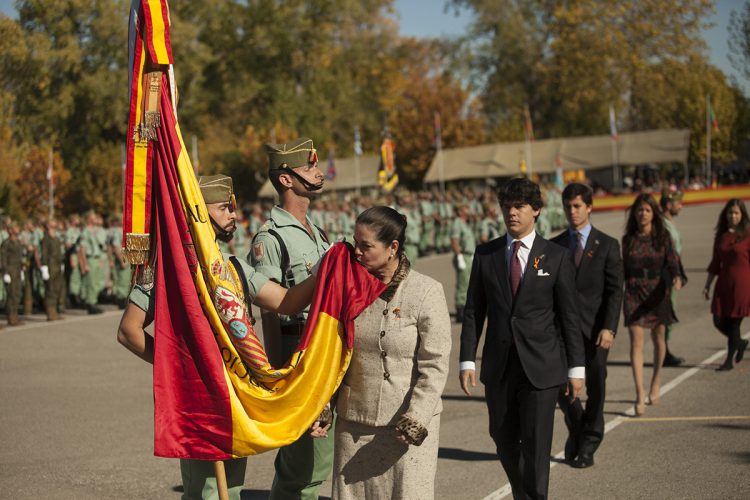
x: 427, y: 18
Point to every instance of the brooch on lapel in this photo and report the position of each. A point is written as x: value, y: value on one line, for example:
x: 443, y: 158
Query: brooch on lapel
x: 590, y: 253
x: 397, y: 312
x: 537, y: 260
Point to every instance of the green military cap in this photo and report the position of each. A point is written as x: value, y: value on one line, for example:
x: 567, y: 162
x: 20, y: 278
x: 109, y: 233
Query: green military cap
x: 216, y: 188
x: 296, y: 153
x: 672, y: 195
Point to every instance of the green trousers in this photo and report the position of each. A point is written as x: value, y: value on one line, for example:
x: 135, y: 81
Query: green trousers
x: 427, y: 241
x: 53, y: 293
x: 74, y: 279
x: 14, y: 294
x: 92, y: 283
x: 462, y: 280
x: 302, y: 466
x: 120, y: 282
x: 199, y: 479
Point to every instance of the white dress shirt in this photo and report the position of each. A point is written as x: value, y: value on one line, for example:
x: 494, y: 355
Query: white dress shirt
x: 523, y: 256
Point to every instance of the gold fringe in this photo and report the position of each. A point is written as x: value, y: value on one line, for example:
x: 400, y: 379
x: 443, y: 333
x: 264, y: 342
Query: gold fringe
x: 137, y: 248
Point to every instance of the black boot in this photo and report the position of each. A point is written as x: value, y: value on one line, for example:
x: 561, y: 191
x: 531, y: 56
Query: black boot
x: 740, y: 351
x: 672, y: 360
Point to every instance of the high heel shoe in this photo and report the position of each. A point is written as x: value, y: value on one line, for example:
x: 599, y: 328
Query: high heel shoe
x: 639, y: 409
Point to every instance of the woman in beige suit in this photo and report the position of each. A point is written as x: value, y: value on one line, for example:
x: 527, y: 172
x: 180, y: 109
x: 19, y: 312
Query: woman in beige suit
x: 389, y: 402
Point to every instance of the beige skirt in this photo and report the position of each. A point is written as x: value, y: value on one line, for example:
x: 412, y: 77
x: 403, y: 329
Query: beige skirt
x: 369, y: 463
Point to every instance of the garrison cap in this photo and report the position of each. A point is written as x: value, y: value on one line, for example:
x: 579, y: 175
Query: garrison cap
x: 216, y: 188
x: 296, y: 153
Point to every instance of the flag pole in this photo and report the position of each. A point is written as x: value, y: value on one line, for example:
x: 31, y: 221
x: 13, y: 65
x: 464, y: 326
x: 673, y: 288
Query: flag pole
x: 357, y: 153
x: 708, y: 141
x: 221, y: 480
x: 439, y: 149
x: 529, y: 138
x: 615, y: 137
x: 51, y: 185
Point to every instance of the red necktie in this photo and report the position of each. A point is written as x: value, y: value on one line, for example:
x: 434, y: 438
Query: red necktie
x: 515, y: 269
x: 578, y: 255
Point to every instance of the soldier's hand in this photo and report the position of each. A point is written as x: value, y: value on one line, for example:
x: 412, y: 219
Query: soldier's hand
x: 6, y: 279
x: 467, y: 377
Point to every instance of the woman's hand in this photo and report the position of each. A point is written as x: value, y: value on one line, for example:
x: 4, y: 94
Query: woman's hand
x: 677, y: 283
x: 706, y: 291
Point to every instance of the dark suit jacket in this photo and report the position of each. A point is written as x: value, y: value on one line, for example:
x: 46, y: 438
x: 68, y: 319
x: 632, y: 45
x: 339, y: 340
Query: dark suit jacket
x: 598, y: 282
x: 542, y: 322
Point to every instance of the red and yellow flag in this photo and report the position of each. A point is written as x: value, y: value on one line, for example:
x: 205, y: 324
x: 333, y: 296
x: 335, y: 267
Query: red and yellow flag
x: 215, y: 394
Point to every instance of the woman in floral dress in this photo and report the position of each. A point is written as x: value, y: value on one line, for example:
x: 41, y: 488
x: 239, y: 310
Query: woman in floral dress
x: 651, y: 270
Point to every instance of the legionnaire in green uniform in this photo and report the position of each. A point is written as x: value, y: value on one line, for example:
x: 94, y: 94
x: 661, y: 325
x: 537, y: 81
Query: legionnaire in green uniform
x: 255, y: 221
x: 119, y: 267
x: 6, y: 222
x: 671, y: 205
x: 428, y: 214
x: 413, y: 214
x: 491, y: 226
x: 463, y: 244
x: 73, y: 271
x: 285, y: 249
x: 91, y: 258
x: 198, y: 479
x: 30, y: 240
x: 51, y: 260
x: 445, y: 213
x: 12, y: 266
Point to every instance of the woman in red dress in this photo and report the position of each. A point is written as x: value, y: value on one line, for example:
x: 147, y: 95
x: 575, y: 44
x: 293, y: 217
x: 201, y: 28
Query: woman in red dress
x: 651, y: 270
x: 731, y: 263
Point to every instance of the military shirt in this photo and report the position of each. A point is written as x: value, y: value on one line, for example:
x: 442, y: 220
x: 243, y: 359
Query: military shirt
x: 675, y: 234
x: 461, y: 231
x: 490, y: 228
x: 141, y: 295
x: 90, y: 242
x: 304, y: 251
x: 11, y: 257
x: 71, y: 236
x: 52, y: 254
x: 413, y: 225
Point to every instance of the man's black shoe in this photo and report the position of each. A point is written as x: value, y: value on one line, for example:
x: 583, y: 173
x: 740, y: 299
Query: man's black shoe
x: 583, y: 462
x: 570, y: 450
x: 671, y: 360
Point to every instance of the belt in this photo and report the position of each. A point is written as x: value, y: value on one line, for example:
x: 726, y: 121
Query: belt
x: 643, y: 273
x: 294, y: 330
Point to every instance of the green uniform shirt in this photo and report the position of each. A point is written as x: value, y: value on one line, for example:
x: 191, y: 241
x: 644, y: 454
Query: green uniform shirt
x: 11, y: 257
x: 90, y: 242
x: 490, y: 229
x: 675, y: 234
x: 413, y: 225
x: 52, y: 254
x: 461, y: 231
x: 304, y: 251
x: 141, y: 295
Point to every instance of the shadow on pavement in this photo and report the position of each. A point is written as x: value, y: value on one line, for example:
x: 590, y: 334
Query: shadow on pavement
x: 741, y: 456
x: 730, y: 426
x: 460, y: 397
x: 465, y: 455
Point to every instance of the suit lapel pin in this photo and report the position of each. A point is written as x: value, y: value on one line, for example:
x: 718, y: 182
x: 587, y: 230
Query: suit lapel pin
x: 537, y: 260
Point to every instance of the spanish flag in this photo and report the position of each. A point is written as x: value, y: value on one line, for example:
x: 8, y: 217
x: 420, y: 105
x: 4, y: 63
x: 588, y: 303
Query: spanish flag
x: 215, y: 394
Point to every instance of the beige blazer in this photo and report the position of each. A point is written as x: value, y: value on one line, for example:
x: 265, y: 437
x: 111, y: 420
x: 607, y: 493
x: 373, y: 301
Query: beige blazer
x: 400, y: 361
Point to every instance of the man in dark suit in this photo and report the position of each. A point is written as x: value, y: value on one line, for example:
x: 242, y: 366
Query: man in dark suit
x: 599, y: 276
x: 525, y: 286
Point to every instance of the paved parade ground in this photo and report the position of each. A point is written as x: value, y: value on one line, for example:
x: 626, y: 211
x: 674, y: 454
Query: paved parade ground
x: 76, y: 412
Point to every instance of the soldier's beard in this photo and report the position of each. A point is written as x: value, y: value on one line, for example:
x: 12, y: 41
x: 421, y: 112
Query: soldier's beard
x: 221, y: 234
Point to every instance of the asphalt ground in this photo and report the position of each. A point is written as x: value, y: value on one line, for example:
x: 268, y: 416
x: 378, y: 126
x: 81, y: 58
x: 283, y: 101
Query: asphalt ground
x: 76, y: 412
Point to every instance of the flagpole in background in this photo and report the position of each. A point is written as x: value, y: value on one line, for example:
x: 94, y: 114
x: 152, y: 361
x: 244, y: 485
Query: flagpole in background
x: 439, y: 151
x: 615, y: 137
x: 196, y: 161
x: 51, y: 185
x: 709, y: 182
x: 357, y: 154
x: 529, y: 140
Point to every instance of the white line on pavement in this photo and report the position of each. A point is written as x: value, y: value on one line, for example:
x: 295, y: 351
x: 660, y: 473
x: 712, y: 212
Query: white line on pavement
x: 506, y: 490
